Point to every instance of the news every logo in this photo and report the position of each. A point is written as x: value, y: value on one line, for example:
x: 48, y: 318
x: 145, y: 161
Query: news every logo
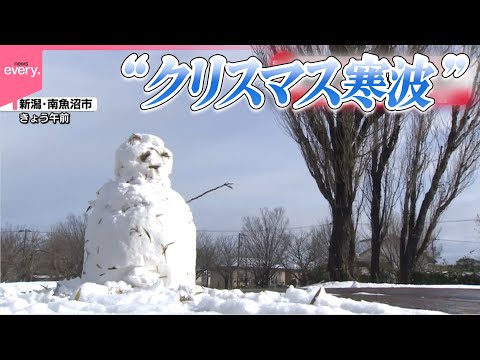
x: 22, y: 69
x: 21, y: 73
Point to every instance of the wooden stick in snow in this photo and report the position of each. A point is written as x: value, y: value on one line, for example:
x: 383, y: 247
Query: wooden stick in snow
x: 229, y: 185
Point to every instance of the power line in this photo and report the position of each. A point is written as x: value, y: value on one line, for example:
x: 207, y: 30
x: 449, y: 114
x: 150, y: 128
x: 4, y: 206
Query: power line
x: 21, y: 230
x: 457, y: 221
x: 289, y: 228
x: 460, y: 241
x: 320, y: 225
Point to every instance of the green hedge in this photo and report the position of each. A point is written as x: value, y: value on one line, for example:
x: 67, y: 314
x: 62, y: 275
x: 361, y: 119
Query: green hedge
x: 439, y: 278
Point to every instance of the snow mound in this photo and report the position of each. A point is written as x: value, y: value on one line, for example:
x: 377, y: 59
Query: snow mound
x: 139, y: 229
x: 74, y: 297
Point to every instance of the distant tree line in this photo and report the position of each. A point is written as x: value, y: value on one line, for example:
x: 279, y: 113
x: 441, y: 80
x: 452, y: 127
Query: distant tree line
x: 56, y: 254
x: 265, y: 244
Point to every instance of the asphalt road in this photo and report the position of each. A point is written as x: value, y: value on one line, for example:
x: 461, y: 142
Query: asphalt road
x: 451, y: 301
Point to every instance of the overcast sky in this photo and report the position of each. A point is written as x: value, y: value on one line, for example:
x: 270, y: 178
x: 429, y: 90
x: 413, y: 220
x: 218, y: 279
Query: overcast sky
x: 49, y: 171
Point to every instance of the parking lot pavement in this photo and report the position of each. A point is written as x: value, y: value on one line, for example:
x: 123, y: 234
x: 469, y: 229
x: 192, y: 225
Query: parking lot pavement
x: 448, y: 300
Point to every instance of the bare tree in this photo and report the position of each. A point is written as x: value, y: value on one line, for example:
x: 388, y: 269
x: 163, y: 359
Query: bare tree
x: 381, y: 185
x: 442, y: 155
x: 299, y: 259
x: 436, y: 249
x: 306, y: 255
x: 333, y: 145
x: 225, y: 262
x: 206, y: 252
x: 62, y: 256
x: 265, y: 239
x: 390, y: 250
x: 20, y: 250
x: 320, y: 241
x: 384, y: 178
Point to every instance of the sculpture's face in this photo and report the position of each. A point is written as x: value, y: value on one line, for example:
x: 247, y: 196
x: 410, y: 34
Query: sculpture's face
x: 143, y: 157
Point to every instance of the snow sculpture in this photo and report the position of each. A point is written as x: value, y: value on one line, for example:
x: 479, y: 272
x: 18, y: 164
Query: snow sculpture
x: 139, y: 230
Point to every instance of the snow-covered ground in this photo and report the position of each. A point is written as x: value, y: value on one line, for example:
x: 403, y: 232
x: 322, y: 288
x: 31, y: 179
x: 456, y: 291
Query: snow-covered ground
x: 75, y: 297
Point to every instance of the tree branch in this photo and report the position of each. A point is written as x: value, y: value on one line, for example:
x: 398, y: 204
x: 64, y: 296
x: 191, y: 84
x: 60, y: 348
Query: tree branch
x: 229, y: 185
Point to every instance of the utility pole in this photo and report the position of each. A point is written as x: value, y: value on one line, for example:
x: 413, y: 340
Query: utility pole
x: 246, y: 270
x: 24, y: 248
x: 238, y: 258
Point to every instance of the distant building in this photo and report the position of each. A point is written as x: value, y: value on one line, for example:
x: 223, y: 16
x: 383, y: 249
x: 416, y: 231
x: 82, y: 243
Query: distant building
x: 281, y: 277
x: 389, y: 256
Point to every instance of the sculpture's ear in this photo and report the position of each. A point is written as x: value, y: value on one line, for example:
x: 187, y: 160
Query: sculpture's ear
x: 133, y: 138
x: 166, y: 154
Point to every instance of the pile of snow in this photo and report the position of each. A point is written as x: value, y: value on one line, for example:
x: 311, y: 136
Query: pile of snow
x: 139, y: 229
x: 77, y: 297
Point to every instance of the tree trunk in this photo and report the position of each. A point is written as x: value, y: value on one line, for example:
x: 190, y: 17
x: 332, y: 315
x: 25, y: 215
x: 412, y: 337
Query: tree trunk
x: 341, y: 252
x: 266, y: 279
x: 304, y: 279
x: 376, y: 229
x: 406, y: 269
x: 408, y: 259
x: 225, y: 279
x: 375, y: 260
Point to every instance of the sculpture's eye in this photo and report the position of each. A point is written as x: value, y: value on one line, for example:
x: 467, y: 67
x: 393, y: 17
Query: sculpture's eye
x: 165, y: 154
x: 145, y: 155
